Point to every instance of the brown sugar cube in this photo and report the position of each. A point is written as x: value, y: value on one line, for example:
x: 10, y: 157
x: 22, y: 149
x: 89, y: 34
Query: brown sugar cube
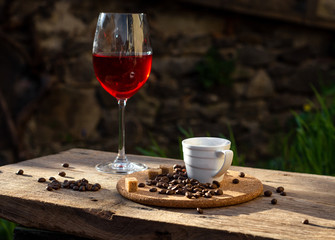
x: 131, y: 184
x: 153, y: 173
x: 166, y: 169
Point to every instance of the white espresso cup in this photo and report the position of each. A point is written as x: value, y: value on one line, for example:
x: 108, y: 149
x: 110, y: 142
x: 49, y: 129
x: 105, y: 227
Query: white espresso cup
x: 207, y: 158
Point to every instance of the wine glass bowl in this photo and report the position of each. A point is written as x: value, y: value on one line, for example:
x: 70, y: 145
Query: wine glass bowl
x: 122, y: 58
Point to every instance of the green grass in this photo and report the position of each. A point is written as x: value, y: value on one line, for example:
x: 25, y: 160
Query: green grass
x: 309, y: 146
x: 6, y: 229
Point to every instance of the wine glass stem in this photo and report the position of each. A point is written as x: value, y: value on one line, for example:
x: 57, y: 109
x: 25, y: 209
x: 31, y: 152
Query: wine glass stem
x: 121, y: 157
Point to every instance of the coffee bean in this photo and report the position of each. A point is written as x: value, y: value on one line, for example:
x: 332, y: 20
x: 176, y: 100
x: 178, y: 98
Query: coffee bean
x: 279, y: 189
x: 179, y: 192
x: 65, y: 165
x: 274, y: 201
x: 82, y: 188
x: 141, y: 185
x: 41, y: 180
x: 19, y: 172
x: 283, y: 193
x: 236, y: 181
x: 170, y: 192
x: 242, y: 174
x: 75, y: 188
x: 216, y: 183
x: 197, y: 195
x: 188, y: 195
x: 213, y: 186
x: 62, y: 174
x: 200, y: 211
x: 51, y: 178
x: 55, y: 185
x: 162, y: 191
x: 218, y: 192
x: 305, y: 221
x: 208, y: 195
x: 97, y: 185
x: 177, y: 166
x: 66, y: 185
x: 49, y: 188
x: 153, y: 189
x: 267, y: 193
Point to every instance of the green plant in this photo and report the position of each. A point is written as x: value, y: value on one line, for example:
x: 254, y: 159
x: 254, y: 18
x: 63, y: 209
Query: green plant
x: 6, y: 229
x: 309, y: 147
x: 214, y: 69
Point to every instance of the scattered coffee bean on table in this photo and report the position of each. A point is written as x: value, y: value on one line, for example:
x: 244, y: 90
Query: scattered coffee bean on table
x: 283, y: 193
x: 279, y: 189
x: 199, y: 210
x: 51, y: 178
x: 153, y: 189
x: 242, y: 174
x: 49, y: 188
x: 274, y: 201
x: 236, y: 181
x: 42, y: 179
x: 19, y: 172
x: 305, y: 221
x: 267, y: 193
x: 65, y: 165
x: 62, y: 174
x: 141, y: 185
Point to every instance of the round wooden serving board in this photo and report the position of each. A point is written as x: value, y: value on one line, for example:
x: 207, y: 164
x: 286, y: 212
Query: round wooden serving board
x: 247, y: 189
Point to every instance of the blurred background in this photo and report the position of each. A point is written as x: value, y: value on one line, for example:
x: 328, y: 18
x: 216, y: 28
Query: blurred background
x: 256, y: 72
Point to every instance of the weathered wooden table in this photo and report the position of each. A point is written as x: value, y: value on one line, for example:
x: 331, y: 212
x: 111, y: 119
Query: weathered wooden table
x: 107, y: 215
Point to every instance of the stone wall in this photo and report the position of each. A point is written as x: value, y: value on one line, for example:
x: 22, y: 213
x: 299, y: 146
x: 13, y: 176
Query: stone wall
x: 55, y: 103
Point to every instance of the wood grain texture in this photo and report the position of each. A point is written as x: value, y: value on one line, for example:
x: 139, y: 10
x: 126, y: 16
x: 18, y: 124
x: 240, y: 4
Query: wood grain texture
x: 107, y: 215
x: 247, y: 189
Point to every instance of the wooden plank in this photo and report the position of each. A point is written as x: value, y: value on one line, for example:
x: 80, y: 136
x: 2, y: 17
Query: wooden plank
x: 107, y: 215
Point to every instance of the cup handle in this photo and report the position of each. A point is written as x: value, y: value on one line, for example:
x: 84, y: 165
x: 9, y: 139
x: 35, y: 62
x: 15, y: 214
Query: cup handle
x: 228, y: 158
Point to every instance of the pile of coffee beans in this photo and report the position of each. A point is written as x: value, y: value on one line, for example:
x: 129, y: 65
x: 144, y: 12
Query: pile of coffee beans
x: 76, y: 185
x: 178, y: 183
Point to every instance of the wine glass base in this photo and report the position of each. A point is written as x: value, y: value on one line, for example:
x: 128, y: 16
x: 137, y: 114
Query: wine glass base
x: 121, y: 168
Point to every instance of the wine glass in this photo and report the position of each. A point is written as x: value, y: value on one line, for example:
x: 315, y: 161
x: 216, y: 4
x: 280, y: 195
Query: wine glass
x: 122, y: 57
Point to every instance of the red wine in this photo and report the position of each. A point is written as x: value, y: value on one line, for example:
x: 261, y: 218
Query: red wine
x: 122, y: 76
